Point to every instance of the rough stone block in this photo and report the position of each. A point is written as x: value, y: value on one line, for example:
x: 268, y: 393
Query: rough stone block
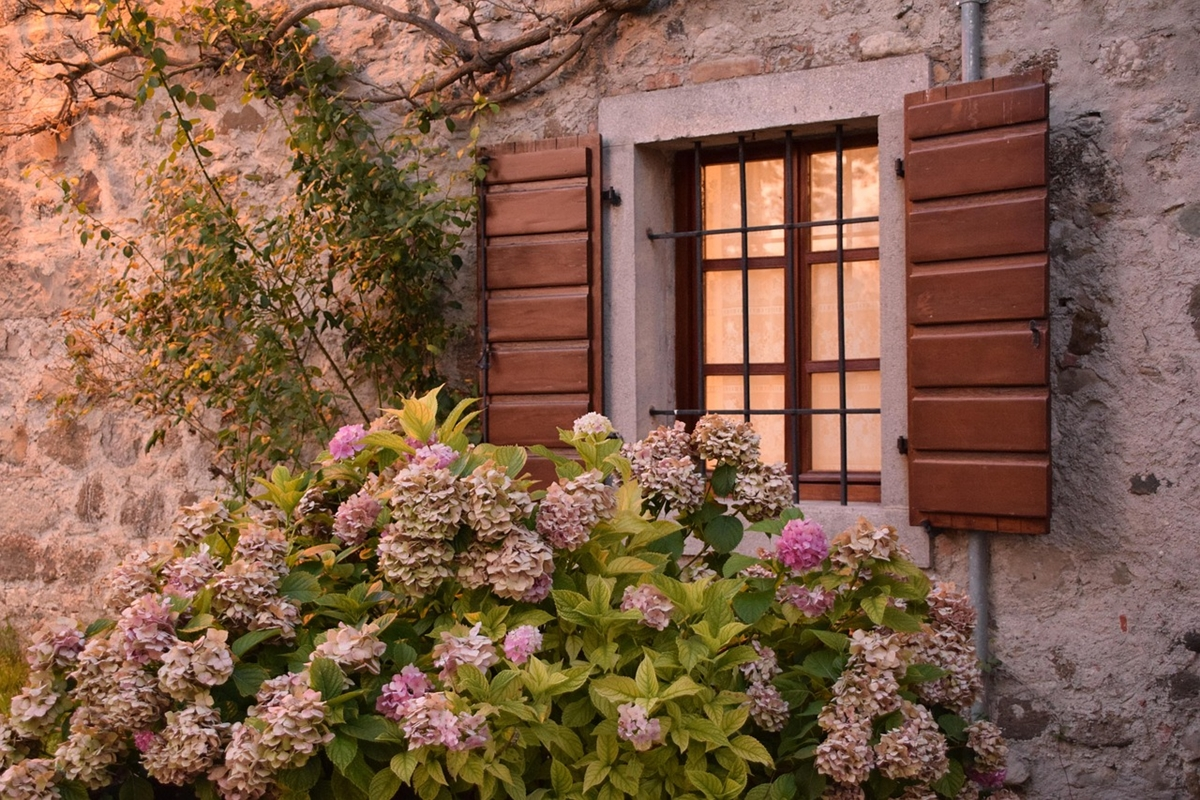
x: 726, y: 68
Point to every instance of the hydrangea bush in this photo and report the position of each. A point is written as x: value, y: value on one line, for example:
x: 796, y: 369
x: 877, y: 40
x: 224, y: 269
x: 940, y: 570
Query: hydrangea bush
x: 414, y: 619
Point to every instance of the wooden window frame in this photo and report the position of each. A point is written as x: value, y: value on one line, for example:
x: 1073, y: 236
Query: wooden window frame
x: 809, y: 484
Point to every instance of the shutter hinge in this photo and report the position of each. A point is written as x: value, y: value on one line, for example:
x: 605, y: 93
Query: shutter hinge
x: 1037, y: 333
x: 899, y: 167
x: 484, y: 358
x: 902, y: 445
x: 611, y: 195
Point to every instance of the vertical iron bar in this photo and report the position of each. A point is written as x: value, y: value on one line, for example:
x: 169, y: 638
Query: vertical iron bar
x: 794, y: 337
x: 702, y: 344
x: 485, y: 356
x: 745, y: 223
x: 841, y: 316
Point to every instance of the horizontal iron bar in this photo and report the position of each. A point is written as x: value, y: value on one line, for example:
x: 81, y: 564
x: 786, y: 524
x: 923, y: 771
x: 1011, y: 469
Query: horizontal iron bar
x: 796, y: 412
x: 783, y: 226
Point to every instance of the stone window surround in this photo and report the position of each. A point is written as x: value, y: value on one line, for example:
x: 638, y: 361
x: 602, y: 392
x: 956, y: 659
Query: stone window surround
x: 640, y: 133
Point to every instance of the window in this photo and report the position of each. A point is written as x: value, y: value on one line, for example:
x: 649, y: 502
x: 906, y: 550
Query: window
x: 778, y: 318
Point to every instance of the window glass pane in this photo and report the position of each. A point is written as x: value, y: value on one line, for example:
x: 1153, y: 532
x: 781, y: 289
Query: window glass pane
x: 863, y: 451
x: 723, y: 317
x: 766, y: 391
x: 861, y: 297
x: 860, y: 197
x: 723, y: 208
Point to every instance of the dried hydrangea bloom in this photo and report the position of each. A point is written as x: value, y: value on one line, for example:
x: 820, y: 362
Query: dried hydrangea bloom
x: 697, y: 571
x: 522, y: 642
x: 801, y: 545
x: 539, y: 591
x: 126, y: 701
x: 493, y: 503
x: 811, y: 602
x: 431, y: 720
x: 199, y: 520
x: 660, y: 443
x: 294, y: 727
x: 471, y: 648
x: 8, y: 742
x: 245, y: 773
x: 676, y: 480
x: 55, y: 646
x: 353, y: 649
x: 991, y: 752
x: 471, y: 565
x: 86, y: 755
x: 188, y: 747
x: 414, y: 563
x: 764, y: 668
x: 596, y: 499
x: 762, y: 491
x: 843, y: 791
x: 919, y: 793
x: 519, y: 565
x: 870, y: 691
x: 877, y: 649
x: 34, y: 710
x: 355, y: 518
x: 635, y: 727
x: 846, y: 755
x: 189, y: 668
x: 767, y: 707
x: 134, y: 577
x: 31, y: 779
x: 655, y: 607
x: 404, y: 686
x: 726, y: 440
x: 241, y: 589
x: 864, y: 541
x: 268, y: 546
x: 347, y: 441
x: 592, y: 424
x: 560, y: 520
x: 915, y: 749
x: 147, y: 628
x: 183, y: 577
x: 951, y: 651
x: 951, y: 608
x: 427, y: 501
x: 436, y: 455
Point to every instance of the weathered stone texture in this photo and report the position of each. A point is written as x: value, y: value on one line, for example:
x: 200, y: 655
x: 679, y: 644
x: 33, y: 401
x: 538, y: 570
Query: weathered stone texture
x: 1093, y: 625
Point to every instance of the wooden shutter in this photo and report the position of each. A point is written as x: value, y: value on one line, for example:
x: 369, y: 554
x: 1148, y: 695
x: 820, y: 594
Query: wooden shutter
x: 540, y: 307
x: 978, y: 357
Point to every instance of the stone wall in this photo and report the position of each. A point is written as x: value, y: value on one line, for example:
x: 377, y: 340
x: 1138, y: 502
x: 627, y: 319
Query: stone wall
x: 1094, y: 629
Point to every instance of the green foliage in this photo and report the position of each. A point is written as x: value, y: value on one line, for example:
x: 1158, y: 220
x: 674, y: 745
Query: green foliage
x: 260, y: 326
x: 645, y: 676
x: 12, y: 664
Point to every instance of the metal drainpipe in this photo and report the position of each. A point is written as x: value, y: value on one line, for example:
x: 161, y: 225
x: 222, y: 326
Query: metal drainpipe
x: 979, y: 554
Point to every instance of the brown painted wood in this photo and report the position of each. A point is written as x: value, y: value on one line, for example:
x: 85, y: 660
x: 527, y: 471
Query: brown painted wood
x: 965, y: 522
x: 954, y: 115
x: 1002, y: 354
x: 534, y: 420
x: 992, y: 160
x: 541, y: 165
x: 1005, y: 421
x: 977, y: 485
x: 538, y: 314
x: 557, y: 368
x: 1012, y: 287
x: 542, y: 470
x: 546, y: 211
x: 554, y: 262
x: 978, y: 226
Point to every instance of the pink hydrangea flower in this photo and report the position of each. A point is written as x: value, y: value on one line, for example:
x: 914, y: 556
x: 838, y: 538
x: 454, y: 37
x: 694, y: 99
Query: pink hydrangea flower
x: 810, y: 602
x: 655, y: 607
x: 436, y: 455
x: 347, y: 441
x: 405, y: 686
x: 635, y: 727
x: 454, y: 651
x: 802, y: 545
x: 144, y: 740
x: 521, y: 643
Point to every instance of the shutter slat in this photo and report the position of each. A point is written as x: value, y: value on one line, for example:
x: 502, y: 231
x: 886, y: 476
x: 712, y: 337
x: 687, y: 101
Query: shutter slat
x: 546, y: 315
x: 534, y: 420
x: 1004, y: 421
x: 538, y: 263
x: 977, y: 240
x: 1003, y: 355
x: 986, y: 289
x: 978, y: 226
x: 988, y: 161
x: 546, y: 211
x: 540, y: 309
